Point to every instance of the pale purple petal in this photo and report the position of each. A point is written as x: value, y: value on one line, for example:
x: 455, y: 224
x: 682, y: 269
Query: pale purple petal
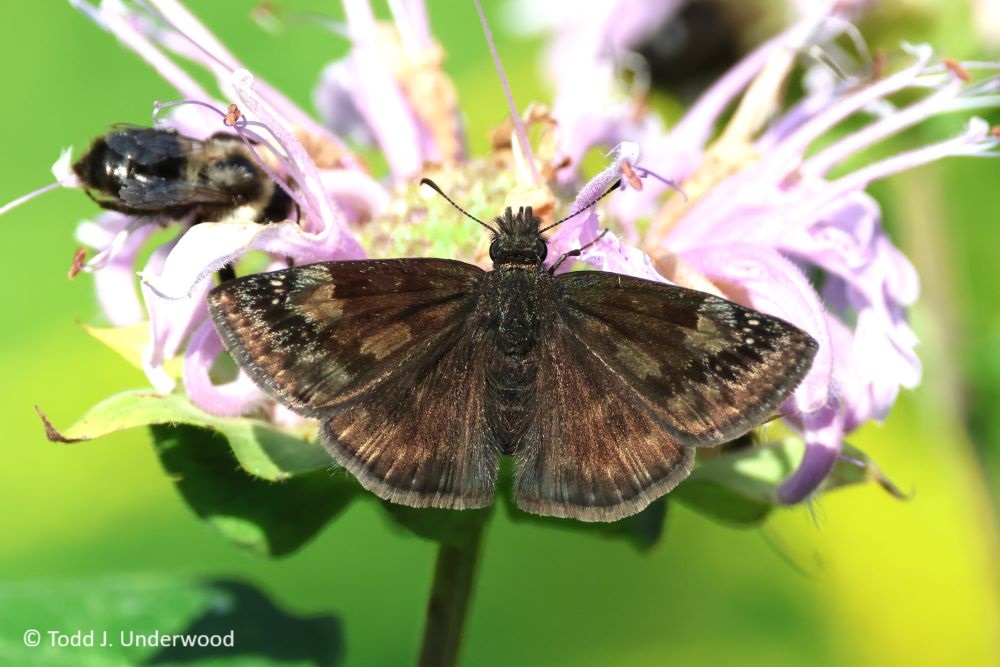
x: 171, y: 320
x: 230, y: 399
x: 323, y: 216
x: 784, y: 152
x: 675, y: 158
x: 379, y: 97
x: 610, y: 254
x: 168, y: 23
x: 824, y: 435
x: 334, y: 98
x: 851, y: 381
x: 209, y: 246
x: 118, y: 241
x: 976, y: 140
x: 583, y: 228
x: 358, y: 195
x: 869, y: 281
x: 199, y: 253
x: 114, y: 16
x: 194, y: 120
x: 410, y: 17
x: 699, y: 123
x: 590, y: 32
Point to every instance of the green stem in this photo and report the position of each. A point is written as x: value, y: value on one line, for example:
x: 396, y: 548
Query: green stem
x: 454, y: 572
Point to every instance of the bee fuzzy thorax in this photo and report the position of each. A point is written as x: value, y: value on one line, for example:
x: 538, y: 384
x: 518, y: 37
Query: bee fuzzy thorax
x: 159, y: 172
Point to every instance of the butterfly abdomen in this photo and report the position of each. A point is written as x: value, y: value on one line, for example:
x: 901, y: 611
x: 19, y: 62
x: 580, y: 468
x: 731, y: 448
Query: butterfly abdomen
x: 510, y: 399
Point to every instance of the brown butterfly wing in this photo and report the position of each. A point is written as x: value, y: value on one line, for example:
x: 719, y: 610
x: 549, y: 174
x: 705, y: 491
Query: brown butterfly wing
x: 324, y: 335
x: 632, y: 375
x: 710, y: 369
x: 387, y: 355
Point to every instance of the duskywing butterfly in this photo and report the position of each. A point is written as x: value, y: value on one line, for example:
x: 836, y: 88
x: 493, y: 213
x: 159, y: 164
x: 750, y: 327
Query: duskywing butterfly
x: 424, y: 372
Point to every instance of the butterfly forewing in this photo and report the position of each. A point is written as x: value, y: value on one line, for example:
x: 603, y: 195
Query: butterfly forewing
x: 708, y: 368
x: 320, y: 336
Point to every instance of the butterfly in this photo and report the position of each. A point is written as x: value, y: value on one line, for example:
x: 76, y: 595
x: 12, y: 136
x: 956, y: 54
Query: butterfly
x: 423, y: 373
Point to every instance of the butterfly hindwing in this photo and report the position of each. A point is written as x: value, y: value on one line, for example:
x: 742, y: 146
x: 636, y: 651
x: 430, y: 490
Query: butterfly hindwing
x: 593, y: 452
x: 421, y: 439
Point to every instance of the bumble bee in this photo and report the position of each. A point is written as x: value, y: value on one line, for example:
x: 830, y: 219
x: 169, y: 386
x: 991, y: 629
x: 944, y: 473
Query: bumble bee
x: 144, y: 171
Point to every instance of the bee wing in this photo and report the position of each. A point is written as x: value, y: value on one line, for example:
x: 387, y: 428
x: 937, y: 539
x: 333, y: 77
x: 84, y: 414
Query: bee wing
x: 154, y: 194
x: 148, y: 146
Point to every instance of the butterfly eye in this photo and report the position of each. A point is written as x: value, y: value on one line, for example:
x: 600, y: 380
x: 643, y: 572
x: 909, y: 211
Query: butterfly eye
x: 494, y: 249
x: 542, y: 248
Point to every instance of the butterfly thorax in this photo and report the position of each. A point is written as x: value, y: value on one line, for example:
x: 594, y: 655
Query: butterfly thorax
x: 516, y: 290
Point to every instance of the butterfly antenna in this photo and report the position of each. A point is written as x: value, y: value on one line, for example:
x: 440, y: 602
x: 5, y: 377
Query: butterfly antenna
x: 428, y: 182
x: 615, y: 186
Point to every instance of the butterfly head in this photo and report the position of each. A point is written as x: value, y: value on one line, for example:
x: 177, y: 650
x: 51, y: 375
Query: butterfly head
x: 517, y: 239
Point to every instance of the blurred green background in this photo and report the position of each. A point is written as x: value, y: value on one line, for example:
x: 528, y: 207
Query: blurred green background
x: 857, y: 579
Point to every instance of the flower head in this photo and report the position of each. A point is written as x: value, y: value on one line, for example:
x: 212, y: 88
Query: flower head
x: 759, y: 208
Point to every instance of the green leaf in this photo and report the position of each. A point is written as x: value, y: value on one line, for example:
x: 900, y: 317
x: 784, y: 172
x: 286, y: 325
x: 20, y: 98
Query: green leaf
x: 740, y: 487
x: 720, y: 502
x: 856, y: 467
x: 261, y: 449
x: 453, y: 527
x: 269, y: 518
x: 261, y: 633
